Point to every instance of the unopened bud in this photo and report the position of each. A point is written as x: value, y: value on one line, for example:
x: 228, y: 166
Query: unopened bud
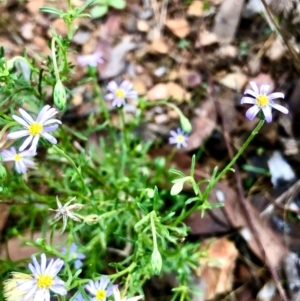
x: 60, y: 96
x: 185, y: 124
x: 156, y: 261
x: 2, y: 173
x: 150, y: 192
x: 91, y: 219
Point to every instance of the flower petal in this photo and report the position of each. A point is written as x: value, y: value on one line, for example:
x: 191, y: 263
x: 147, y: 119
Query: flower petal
x: 26, y: 143
x: 109, y: 96
x: 26, y: 116
x: 49, y: 138
x: 50, y: 128
x: 47, y: 115
x: 118, y: 102
x: 254, y: 87
x: 43, y: 263
x: 52, y: 121
x: 249, y: 100
x: 20, y: 167
x: 275, y: 95
x: 42, y: 112
x: 17, y: 134
x: 126, y: 85
x: 264, y: 89
x: 132, y: 94
x: 268, y: 113
x: 59, y: 289
x: 20, y: 120
x: 250, y: 92
x: 112, y: 86
x: 36, y: 265
x: 252, y: 112
x: 280, y: 108
x: 34, y: 143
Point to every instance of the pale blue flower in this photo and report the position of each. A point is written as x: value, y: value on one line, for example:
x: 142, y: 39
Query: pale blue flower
x: 118, y: 94
x: 74, y: 255
x: 42, y: 126
x: 179, y: 138
x: 44, y: 280
x: 100, y: 289
x: 91, y: 59
x: 261, y: 100
x: 21, y: 159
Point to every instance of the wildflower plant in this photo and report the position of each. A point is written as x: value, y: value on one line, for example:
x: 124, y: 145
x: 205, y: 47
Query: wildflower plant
x: 105, y: 194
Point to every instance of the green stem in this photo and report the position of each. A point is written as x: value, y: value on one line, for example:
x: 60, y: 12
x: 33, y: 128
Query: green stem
x: 102, y: 103
x: 121, y: 273
x: 153, y: 230
x: 124, y: 130
x: 56, y: 72
x: 62, y: 153
x: 211, y: 185
x: 246, y: 143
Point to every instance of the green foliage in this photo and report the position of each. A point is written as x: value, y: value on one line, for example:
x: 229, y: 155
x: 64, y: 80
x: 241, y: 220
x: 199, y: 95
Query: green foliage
x: 101, y: 7
x: 107, y: 193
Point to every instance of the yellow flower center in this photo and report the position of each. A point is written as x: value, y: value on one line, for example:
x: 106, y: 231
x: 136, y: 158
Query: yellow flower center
x: 180, y: 138
x: 100, y: 295
x: 44, y: 281
x: 18, y: 157
x: 73, y: 255
x: 262, y: 100
x: 120, y: 93
x: 35, y: 129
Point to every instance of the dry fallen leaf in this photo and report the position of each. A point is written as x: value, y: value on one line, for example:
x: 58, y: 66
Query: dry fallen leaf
x: 116, y: 61
x: 235, y: 81
x: 179, y: 27
x: 159, y: 91
x: 177, y: 92
x: 206, y: 38
x: 277, y: 50
x: 195, y: 9
x: 273, y: 247
x: 34, y: 6
x: 139, y: 86
x: 143, y: 26
x: 217, y: 269
x: 202, y: 129
x: 158, y: 46
x: 227, y: 19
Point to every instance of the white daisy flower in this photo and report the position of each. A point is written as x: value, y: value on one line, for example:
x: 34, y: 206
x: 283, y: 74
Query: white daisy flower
x: 66, y: 211
x: 44, y: 279
x: 21, y: 159
x: 178, y: 138
x: 100, y: 289
x: 91, y: 59
x: 118, y: 94
x: 42, y: 126
x: 261, y: 100
x: 117, y: 296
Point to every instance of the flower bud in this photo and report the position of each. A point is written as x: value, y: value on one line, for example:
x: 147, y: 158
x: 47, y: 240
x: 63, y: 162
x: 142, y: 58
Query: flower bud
x: 91, y: 219
x: 60, y: 96
x: 156, y: 261
x: 2, y: 173
x: 178, y: 186
x: 185, y: 124
x: 150, y: 192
